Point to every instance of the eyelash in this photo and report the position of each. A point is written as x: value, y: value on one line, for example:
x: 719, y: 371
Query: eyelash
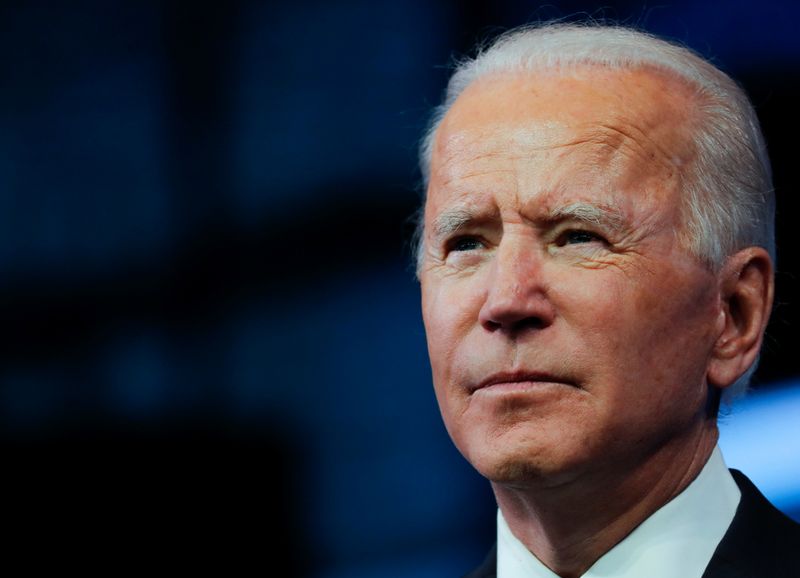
x: 589, y: 236
x: 457, y: 243
x: 467, y: 243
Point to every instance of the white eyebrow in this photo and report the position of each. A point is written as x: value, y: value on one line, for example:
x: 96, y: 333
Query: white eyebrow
x: 606, y: 215
x: 451, y: 221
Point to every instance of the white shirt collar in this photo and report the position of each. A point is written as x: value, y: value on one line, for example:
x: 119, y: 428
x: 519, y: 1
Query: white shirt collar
x: 677, y: 541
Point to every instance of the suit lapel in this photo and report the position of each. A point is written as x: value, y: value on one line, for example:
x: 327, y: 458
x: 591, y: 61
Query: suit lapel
x: 760, y: 541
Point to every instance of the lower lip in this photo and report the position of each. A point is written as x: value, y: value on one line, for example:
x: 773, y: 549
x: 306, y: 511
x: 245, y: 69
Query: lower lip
x: 517, y: 387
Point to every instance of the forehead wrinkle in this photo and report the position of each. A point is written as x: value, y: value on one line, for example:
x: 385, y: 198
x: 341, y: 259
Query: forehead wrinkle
x: 459, y: 165
x: 456, y: 177
x: 461, y: 147
x: 467, y: 146
x: 631, y: 136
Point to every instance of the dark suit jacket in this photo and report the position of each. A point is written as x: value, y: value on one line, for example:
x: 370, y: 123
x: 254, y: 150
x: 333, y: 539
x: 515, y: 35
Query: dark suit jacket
x: 760, y: 542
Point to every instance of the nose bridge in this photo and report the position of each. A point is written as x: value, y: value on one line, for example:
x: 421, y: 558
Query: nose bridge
x: 517, y: 289
x: 517, y: 264
x: 517, y: 269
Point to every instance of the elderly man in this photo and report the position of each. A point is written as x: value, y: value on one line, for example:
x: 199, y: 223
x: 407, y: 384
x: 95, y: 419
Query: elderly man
x: 596, y: 266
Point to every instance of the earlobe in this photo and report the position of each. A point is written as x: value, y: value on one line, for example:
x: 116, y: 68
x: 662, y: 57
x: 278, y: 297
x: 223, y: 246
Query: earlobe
x: 746, y: 287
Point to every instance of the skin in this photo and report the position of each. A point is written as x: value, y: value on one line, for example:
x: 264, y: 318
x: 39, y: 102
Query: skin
x: 573, y: 339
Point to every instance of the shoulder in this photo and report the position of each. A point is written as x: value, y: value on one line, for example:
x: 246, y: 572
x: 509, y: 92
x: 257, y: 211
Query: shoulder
x: 761, y: 540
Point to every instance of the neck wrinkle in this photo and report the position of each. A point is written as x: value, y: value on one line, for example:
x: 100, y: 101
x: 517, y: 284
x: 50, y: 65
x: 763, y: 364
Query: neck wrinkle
x: 570, y: 526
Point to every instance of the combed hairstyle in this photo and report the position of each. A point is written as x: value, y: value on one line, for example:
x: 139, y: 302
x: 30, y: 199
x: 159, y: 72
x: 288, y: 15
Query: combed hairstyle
x: 728, y: 198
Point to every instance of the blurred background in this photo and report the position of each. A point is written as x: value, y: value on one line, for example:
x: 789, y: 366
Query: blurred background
x: 212, y: 353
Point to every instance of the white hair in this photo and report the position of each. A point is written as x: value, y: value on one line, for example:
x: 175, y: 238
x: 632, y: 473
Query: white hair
x: 729, y: 202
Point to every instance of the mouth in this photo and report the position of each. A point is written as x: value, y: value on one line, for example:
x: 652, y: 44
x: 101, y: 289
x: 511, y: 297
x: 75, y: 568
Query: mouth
x: 519, y: 381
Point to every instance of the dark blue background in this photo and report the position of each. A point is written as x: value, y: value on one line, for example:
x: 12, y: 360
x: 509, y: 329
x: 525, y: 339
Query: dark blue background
x: 211, y: 328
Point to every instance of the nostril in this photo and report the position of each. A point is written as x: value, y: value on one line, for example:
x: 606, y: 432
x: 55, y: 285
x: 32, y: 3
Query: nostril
x: 515, y: 326
x: 513, y: 307
x: 528, y: 323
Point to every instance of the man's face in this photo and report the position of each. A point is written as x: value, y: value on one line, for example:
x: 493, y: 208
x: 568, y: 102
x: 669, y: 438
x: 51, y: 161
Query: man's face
x: 568, y: 328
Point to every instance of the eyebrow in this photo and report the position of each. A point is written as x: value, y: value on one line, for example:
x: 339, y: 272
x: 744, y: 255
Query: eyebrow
x: 451, y: 221
x: 606, y: 215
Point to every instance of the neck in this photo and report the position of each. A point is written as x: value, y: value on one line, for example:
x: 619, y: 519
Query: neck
x: 570, y: 525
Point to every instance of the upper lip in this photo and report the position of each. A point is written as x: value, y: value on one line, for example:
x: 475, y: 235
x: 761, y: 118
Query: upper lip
x: 519, y: 377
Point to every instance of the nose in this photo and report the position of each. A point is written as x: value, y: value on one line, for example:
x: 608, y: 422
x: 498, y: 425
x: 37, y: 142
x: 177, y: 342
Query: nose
x: 517, y: 297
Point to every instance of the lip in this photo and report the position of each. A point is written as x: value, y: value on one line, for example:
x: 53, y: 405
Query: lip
x: 513, y: 380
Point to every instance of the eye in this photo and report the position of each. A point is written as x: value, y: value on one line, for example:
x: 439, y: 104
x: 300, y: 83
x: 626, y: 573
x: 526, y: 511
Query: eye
x: 577, y: 237
x: 464, y: 244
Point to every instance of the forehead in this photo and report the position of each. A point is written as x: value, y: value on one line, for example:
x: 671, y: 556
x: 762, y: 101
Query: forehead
x: 581, y: 95
x: 587, y: 123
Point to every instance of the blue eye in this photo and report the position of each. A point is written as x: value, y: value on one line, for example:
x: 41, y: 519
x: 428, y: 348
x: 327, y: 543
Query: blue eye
x: 465, y: 244
x: 577, y: 237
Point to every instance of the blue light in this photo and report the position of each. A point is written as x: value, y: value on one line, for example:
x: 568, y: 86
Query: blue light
x: 761, y: 437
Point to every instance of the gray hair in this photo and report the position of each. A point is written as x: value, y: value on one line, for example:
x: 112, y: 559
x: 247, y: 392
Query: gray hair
x: 729, y: 199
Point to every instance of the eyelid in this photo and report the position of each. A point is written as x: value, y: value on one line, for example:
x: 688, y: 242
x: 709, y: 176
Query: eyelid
x: 587, y: 230
x: 450, y: 243
x: 560, y: 237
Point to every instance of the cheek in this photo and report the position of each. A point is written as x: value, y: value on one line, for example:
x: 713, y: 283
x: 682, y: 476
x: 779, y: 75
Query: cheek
x: 446, y: 313
x: 449, y: 309
x: 450, y: 312
x: 653, y: 333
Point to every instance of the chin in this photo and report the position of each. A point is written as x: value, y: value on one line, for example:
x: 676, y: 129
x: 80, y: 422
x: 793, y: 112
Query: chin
x: 525, y: 464
x: 514, y: 472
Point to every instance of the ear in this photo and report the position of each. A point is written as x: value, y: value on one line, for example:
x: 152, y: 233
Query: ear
x: 746, y: 290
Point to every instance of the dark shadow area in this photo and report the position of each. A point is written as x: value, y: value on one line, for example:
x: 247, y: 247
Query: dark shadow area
x: 179, y: 497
